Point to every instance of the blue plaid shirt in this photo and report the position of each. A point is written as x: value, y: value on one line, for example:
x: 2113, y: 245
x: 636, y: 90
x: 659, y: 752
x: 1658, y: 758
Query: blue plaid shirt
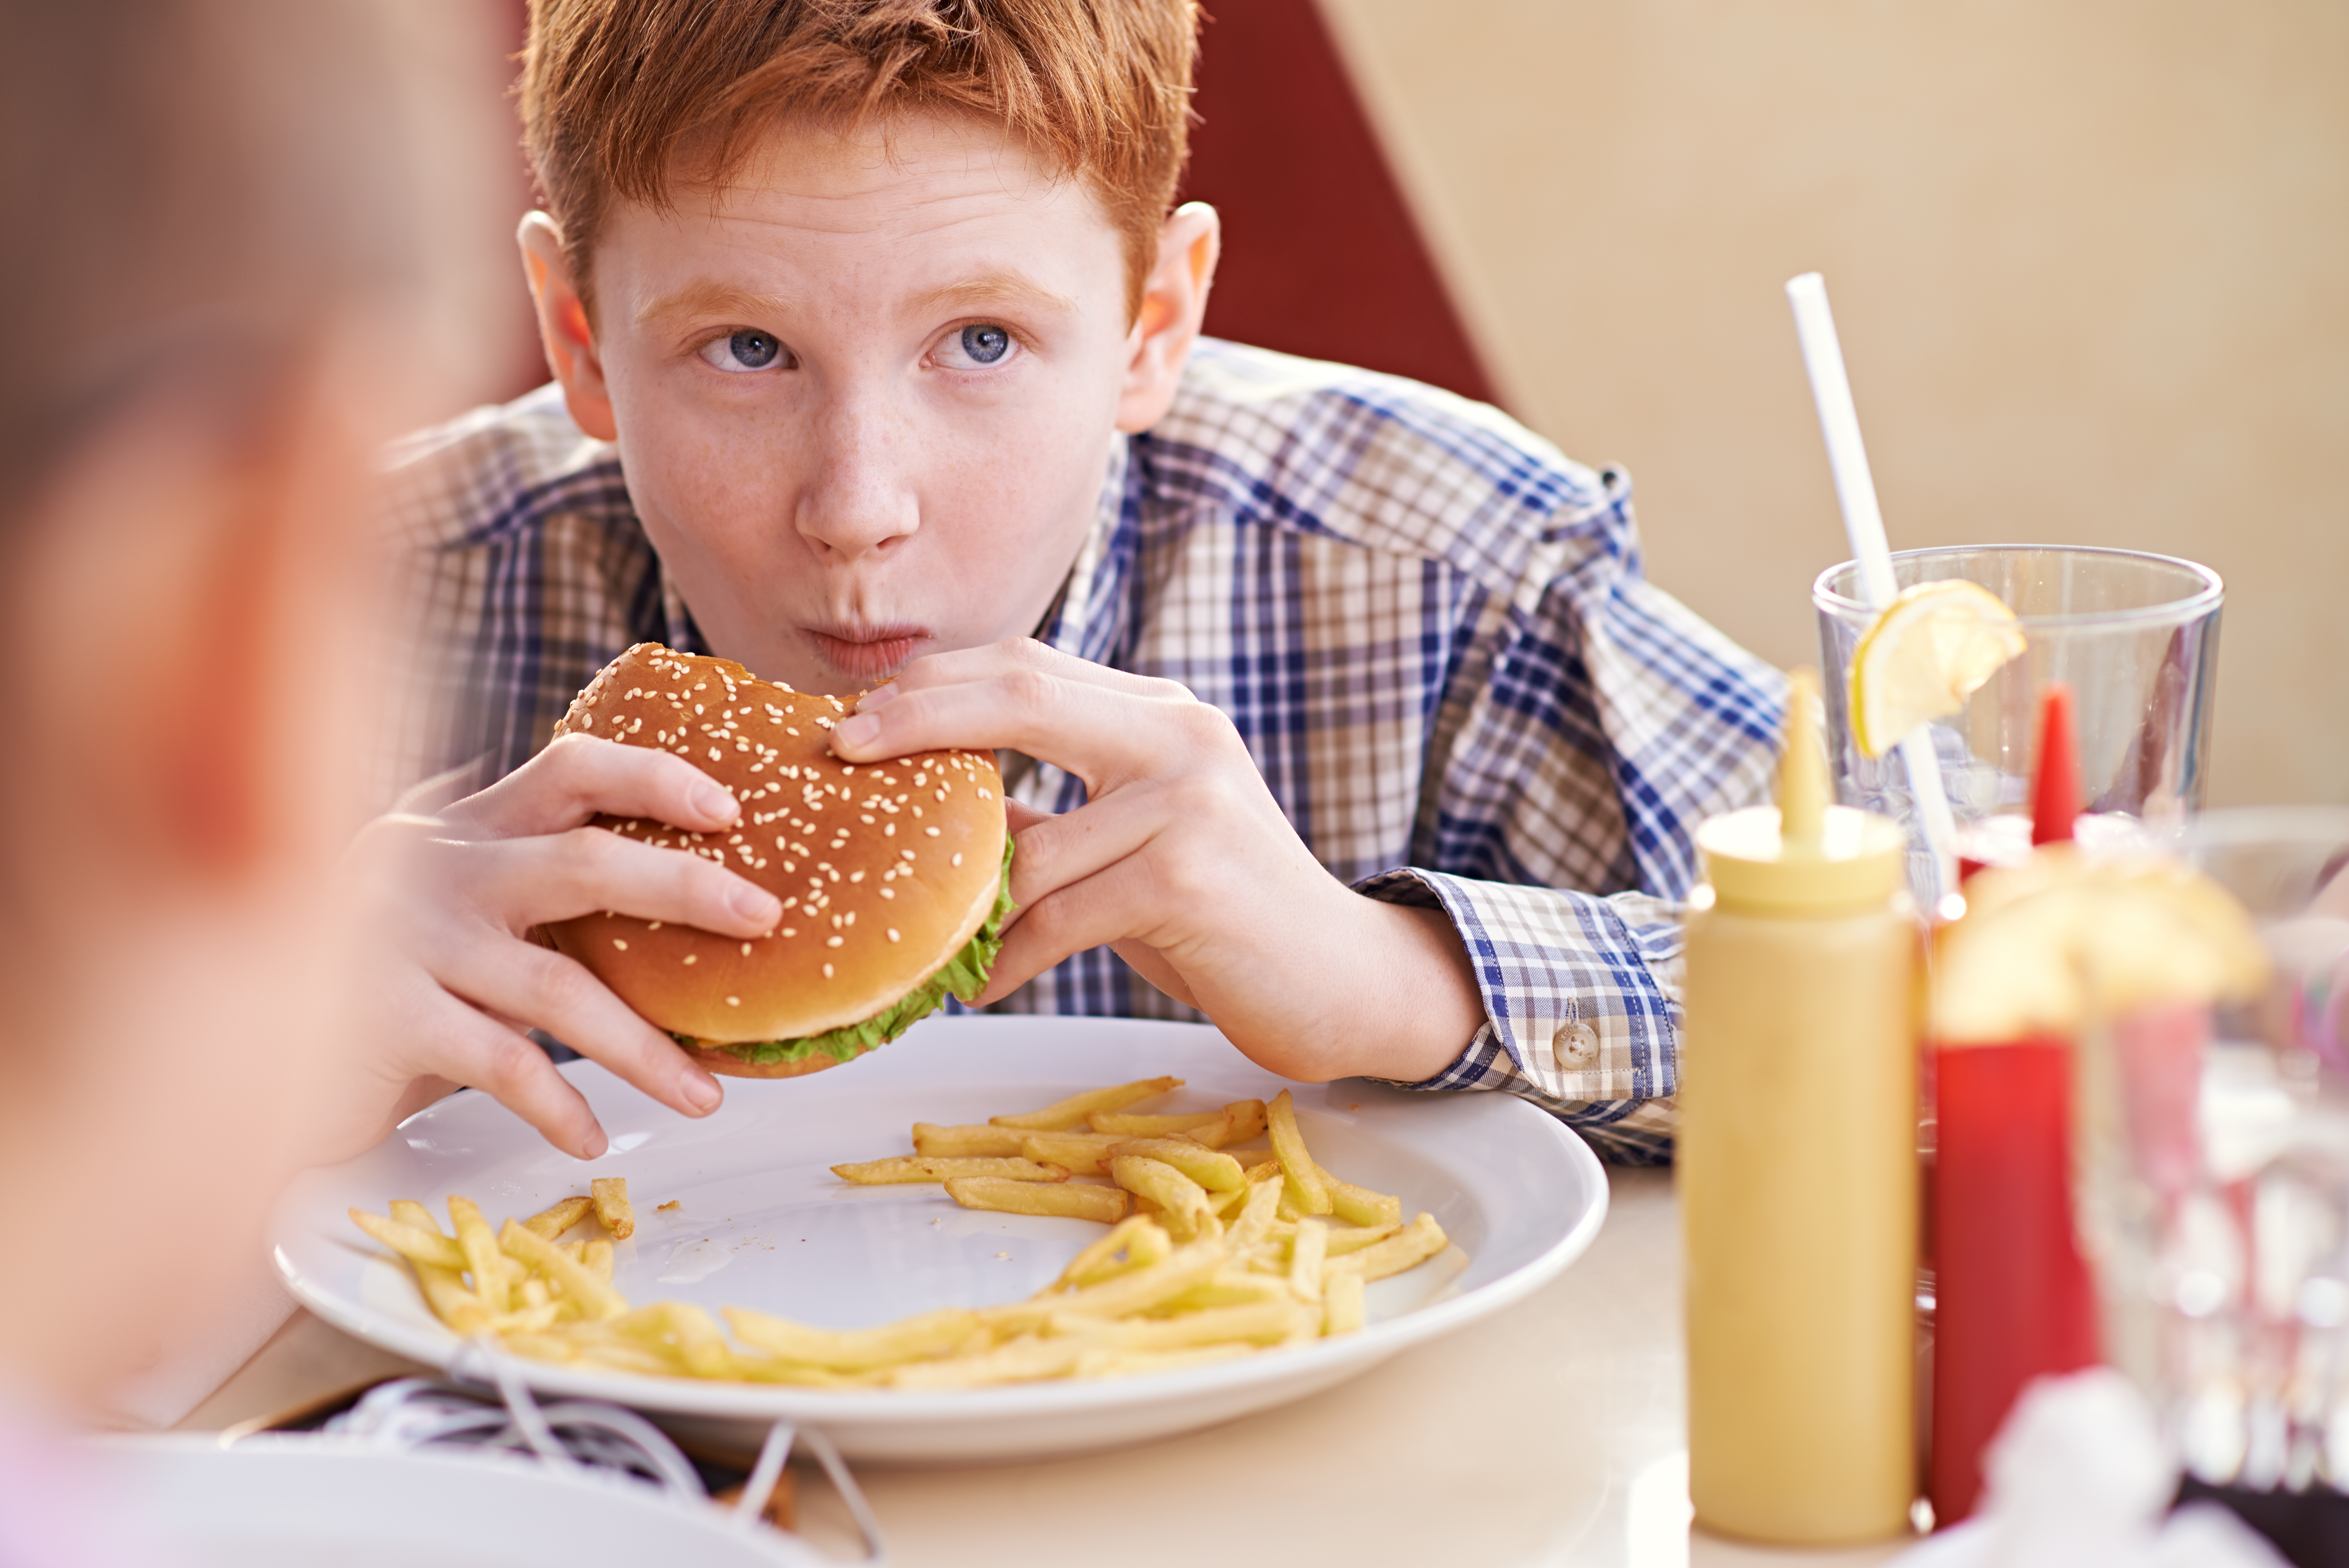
x: 1429, y: 625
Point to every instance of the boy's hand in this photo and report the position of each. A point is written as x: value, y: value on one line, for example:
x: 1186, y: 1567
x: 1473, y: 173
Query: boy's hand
x: 1182, y: 861
x: 447, y: 979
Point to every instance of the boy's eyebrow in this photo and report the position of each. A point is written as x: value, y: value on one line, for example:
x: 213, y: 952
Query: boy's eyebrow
x: 707, y: 297
x: 999, y: 288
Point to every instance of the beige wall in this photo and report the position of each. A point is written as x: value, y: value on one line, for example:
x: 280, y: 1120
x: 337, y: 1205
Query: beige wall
x: 2090, y: 259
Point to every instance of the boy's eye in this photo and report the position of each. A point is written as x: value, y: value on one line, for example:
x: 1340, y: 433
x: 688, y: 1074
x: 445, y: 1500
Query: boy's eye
x: 980, y: 345
x: 746, y: 350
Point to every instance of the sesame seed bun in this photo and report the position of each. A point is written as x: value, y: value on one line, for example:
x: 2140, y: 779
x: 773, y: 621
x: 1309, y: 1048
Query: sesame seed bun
x: 886, y: 870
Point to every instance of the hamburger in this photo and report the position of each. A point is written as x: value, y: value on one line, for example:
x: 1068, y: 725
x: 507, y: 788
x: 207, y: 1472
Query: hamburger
x: 894, y: 876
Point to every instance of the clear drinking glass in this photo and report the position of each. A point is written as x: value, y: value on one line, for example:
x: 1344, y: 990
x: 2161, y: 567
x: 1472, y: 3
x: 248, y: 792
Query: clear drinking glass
x: 2214, y: 1166
x: 2134, y: 635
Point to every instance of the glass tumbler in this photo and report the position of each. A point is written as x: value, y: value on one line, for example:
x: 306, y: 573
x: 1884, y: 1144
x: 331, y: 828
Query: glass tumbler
x: 2214, y: 1191
x: 2134, y: 635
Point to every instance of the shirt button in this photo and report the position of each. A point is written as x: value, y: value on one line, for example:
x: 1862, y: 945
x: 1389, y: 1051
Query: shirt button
x: 1574, y: 1047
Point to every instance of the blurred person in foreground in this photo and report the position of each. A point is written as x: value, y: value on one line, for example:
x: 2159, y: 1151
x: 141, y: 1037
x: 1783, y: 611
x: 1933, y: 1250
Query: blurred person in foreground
x: 219, y: 288
x: 1342, y: 713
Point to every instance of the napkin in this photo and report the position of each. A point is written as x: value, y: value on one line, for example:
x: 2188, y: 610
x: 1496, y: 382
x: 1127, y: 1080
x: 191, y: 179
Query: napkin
x: 204, y: 1356
x: 2078, y: 1475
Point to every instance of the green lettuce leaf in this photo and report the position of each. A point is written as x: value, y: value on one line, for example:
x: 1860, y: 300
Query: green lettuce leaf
x: 964, y: 975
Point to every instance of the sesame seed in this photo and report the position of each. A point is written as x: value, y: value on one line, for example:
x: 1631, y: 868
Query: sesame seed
x: 907, y: 854
x: 888, y: 829
x: 746, y: 950
x: 850, y: 917
x: 790, y: 930
x: 856, y: 876
x: 827, y: 971
x: 931, y: 831
x: 654, y: 926
x: 689, y: 957
x: 733, y: 1001
x: 958, y: 860
x: 888, y: 892
x: 620, y: 943
x: 832, y: 941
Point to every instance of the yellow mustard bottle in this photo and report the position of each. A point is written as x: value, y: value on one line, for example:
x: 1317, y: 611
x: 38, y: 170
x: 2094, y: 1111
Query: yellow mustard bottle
x: 1796, y: 1164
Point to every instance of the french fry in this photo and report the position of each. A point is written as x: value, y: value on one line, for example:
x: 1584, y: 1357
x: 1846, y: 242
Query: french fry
x: 1260, y: 1322
x: 1144, y: 1288
x: 929, y: 1138
x: 1085, y: 1153
x: 408, y: 1212
x: 1058, y: 1200
x: 1305, y: 1259
x: 1341, y: 1304
x: 1225, y: 1205
x: 1256, y: 1214
x: 445, y: 1293
x: 1019, y: 1361
x: 687, y: 1331
x: 575, y: 1250
x: 552, y: 1222
x: 1063, y: 1115
x: 1102, y: 1361
x: 596, y: 1299
x: 1360, y: 1205
x: 1260, y: 1170
x: 913, y: 1168
x: 1296, y: 1167
x: 1211, y: 1169
x: 409, y: 1243
x: 1242, y: 1122
x: 855, y: 1349
x: 1141, y: 1242
x: 1354, y: 1240
x: 493, y: 1281
x: 1183, y: 1200
x: 1231, y: 1286
x: 1127, y: 1125
x: 1413, y: 1245
x: 596, y: 1258
x: 612, y: 1207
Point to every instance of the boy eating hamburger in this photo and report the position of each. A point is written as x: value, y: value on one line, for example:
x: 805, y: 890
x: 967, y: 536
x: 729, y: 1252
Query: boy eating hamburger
x: 1335, y: 709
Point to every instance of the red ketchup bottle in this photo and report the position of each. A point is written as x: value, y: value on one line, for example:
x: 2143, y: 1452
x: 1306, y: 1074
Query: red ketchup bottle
x: 2013, y: 1298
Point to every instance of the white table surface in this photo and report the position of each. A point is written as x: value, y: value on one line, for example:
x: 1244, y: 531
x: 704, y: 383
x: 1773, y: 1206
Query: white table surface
x: 1552, y: 1433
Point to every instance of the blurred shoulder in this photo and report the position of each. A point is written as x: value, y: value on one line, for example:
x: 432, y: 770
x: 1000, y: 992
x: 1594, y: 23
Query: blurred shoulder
x: 497, y: 471
x: 1382, y: 460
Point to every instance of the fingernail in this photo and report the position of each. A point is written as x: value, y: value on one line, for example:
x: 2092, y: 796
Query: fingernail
x: 592, y: 1147
x: 857, y: 730
x: 754, y: 903
x: 876, y: 697
x: 702, y: 1093
x: 714, y: 799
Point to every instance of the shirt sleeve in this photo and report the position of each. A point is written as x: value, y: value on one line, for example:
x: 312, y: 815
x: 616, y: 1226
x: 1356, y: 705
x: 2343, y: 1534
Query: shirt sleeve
x: 1598, y: 722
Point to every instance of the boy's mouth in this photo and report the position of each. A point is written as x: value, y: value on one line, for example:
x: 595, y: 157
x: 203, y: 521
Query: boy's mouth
x: 867, y: 654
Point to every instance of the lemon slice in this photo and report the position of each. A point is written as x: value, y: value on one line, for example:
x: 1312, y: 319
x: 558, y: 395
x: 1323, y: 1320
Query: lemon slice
x: 2064, y: 937
x: 1932, y: 648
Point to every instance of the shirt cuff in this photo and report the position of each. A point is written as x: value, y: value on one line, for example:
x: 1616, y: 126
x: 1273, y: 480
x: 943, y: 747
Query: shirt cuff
x: 1581, y: 1002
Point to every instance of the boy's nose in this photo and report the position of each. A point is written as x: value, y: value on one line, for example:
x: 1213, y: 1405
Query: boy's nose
x: 860, y: 499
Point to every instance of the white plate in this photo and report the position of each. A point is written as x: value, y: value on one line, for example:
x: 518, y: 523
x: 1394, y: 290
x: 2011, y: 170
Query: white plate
x: 300, y: 1502
x: 762, y: 1223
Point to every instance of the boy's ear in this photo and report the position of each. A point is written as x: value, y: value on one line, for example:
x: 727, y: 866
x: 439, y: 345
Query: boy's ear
x: 1174, y: 303
x: 563, y: 329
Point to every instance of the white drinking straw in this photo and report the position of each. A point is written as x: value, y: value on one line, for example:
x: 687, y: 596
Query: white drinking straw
x: 1863, y: 523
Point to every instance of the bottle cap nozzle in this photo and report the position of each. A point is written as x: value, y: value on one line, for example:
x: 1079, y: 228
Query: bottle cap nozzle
x: 2056, y: 783
x: 1803, y: 771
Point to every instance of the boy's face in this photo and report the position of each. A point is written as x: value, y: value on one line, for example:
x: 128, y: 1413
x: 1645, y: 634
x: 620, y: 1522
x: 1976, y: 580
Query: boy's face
x: 866, y: 393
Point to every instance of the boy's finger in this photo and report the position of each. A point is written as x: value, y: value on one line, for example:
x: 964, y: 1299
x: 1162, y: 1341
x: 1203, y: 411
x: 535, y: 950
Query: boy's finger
x: 1059, y: 850
x: 1111, y: 906
x: 1100, y: 734
x: 458, y: 1043
x: 992, y: 660
x: 561, y: 876
x: 578, y: 775
x: 548, y: 991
